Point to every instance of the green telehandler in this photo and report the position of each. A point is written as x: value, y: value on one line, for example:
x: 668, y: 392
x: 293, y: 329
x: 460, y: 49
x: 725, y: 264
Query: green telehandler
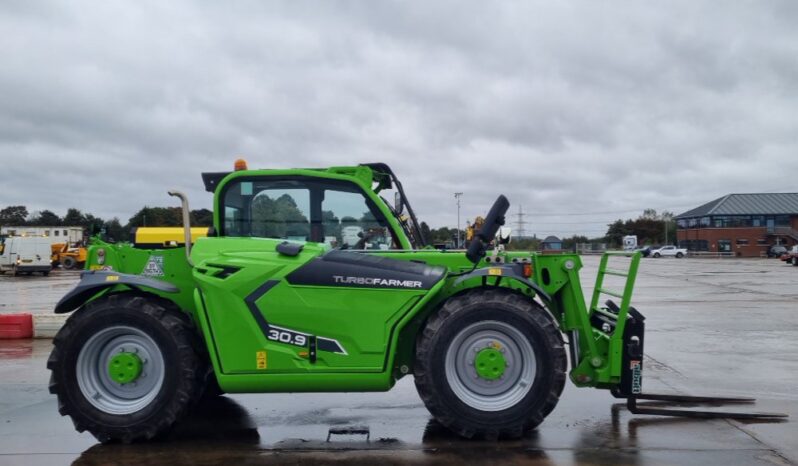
x: 310, y: 281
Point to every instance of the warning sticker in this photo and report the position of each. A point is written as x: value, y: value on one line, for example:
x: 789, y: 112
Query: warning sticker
x: 260, y: 358
x: 154, y: 267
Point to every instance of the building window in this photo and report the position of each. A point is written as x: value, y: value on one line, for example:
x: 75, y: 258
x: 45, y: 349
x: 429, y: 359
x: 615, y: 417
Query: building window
x: 734, y: 221
x: 762, y: 242
x: 724, y: 245
x: 56, y: 233
x: 782, y: 220
x: 704, y: 222
x: 65, y: 233
x: 694, y: 244
x: 742, y: 242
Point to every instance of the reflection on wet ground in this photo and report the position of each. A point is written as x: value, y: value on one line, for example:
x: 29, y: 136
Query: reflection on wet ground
x: 223, y: 432
x: 746, y: 346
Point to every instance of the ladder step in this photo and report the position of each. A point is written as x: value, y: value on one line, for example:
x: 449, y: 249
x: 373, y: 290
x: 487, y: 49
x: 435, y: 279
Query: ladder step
x: 610, y: 292
x: 617, y: 273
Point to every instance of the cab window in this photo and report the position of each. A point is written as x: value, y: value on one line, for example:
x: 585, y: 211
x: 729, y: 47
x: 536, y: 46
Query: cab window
x: 350, y: 223
x: 304, y: 209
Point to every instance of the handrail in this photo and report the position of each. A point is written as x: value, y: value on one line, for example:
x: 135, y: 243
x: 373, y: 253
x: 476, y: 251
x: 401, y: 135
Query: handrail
x: 616, y: 340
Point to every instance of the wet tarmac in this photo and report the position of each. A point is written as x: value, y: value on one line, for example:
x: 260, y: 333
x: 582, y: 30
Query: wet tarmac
x: 35, y: 294
x: 718, y: 327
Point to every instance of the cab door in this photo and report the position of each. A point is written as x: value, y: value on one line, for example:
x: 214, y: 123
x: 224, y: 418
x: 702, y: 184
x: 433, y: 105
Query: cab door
x: 281, y: 292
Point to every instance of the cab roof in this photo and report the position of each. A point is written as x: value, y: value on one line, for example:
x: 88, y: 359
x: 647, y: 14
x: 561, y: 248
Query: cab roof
x: 379, y: 173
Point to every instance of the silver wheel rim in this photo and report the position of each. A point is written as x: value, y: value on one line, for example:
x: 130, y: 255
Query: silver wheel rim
x: 483, y: 394
x: 96, y: 384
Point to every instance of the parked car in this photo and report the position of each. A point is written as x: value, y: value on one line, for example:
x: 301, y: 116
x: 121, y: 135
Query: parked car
x: 777, y: 250
x: 669, y: 251
x: 645, y: 251
x: 791, y: 256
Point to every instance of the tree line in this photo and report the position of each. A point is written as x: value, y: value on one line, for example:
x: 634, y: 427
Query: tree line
x: 111, y: 229
x: 650, y: 227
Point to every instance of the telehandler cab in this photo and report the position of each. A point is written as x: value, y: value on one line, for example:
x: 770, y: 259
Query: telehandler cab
x: 276, y: 298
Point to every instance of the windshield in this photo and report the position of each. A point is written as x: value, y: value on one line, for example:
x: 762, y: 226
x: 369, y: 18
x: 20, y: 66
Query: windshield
x: 333, y: 212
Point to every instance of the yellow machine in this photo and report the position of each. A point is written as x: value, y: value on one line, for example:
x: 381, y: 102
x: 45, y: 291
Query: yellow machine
x: 69, y: 258
x: 474, y: 227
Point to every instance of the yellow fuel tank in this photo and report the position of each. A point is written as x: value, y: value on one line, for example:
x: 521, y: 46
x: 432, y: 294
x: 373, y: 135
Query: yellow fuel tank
x: 164, y: 237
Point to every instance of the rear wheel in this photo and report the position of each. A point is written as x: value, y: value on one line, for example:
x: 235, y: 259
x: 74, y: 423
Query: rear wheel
x: 795, y: 261
x: 679, y: 255
x: 124, y: 367
x: 490, y: 364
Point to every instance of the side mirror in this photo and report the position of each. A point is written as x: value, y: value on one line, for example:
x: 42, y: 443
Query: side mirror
x: 398, y: 205
x: 503, y: 237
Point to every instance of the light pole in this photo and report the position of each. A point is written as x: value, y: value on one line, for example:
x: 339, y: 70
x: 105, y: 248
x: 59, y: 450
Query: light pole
x: 457, y: 197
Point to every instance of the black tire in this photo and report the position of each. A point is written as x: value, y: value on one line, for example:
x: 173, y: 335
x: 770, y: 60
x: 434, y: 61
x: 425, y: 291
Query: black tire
x: 68, y: 263
x: 480, y: 307
x: 795, y: 261
x: 657, y: 255
x: 159, y: 320
x: 679, y: 255
x: 45, y: 273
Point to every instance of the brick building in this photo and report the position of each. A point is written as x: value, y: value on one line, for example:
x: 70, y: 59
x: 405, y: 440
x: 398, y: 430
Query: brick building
x: 744, y: 224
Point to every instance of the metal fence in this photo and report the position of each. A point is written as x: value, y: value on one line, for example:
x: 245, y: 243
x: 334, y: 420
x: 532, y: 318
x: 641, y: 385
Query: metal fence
x: 591, y: 248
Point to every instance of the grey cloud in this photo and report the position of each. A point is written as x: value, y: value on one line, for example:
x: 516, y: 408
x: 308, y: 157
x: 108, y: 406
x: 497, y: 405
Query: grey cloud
x: 564, y: 107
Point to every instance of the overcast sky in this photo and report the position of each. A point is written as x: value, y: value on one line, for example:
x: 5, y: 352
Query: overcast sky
x: 567, y: 108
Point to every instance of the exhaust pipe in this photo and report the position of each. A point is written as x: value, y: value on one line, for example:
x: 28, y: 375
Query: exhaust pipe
x: 186, y: 223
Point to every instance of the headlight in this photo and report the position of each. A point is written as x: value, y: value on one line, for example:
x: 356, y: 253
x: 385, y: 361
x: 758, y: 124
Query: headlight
x: 101, y: 256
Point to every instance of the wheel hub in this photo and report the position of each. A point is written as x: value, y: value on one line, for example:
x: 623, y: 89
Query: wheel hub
x: 490, y: 363
x: 125, y: 367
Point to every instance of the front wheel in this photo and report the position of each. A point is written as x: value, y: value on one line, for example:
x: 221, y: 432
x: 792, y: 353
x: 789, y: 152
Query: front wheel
x: 656, y: 255
x: 795, y: 261
x: 490, y: 364
x: 68, y: 262
x: 124, y: 367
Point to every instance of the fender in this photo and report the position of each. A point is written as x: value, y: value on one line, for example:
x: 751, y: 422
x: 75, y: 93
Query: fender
x: 93, y: 282
x: 511, y: 271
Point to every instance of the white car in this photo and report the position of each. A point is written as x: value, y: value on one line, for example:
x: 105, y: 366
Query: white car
x: 666, y: 251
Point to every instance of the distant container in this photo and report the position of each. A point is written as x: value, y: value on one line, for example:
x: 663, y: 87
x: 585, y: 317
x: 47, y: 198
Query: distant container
x: 70, y: 235
x: 15, y: 326
x: 630, y: 243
